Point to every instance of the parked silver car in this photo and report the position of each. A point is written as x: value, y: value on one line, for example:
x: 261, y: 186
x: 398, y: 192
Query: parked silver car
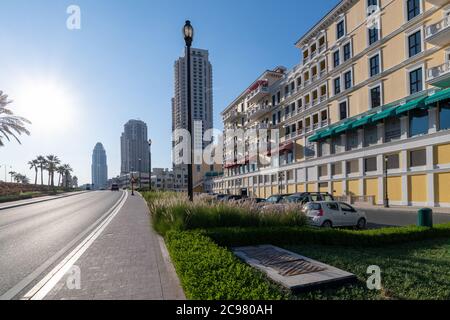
x: 329, y: 214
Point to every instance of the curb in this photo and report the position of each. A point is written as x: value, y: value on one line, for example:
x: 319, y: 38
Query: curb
x: 40, y: 201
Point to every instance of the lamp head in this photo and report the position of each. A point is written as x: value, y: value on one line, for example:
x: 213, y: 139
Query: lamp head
x: 188, y: 33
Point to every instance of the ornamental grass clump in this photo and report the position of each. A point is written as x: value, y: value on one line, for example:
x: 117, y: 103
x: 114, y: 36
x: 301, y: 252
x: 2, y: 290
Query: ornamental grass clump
x: 171, y: 211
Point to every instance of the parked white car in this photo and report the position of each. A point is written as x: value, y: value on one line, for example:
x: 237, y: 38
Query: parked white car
x: 329, y: 214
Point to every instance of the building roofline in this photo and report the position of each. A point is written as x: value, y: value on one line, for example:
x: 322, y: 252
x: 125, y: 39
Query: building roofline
x: 268, y: 71
x: 324, y: 21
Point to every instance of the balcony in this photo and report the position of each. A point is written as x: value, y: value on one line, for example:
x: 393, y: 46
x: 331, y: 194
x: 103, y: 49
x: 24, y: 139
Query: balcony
x: 258, y: 111
x: 439, y: 34
x: 437, y: 3
x: 260, y: 90
x: 233, y: 115
x: 440, y: 76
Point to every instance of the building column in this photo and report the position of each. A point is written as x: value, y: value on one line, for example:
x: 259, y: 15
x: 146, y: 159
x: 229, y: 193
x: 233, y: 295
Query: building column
x: 404, y: 127
x: 344, y: 176
x: 404, y: 170
x: 361, y: 174
x: 360, y: 138
x: 343, y: 142
x: 329, y: 177
x: 380, y: 132
x: 432, y: 120
x: 430, y: 177
x: 380, y: 172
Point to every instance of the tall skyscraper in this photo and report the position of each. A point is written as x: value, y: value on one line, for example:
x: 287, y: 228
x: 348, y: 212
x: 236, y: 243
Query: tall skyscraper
x: 202, y: 99
x: 99, y: 167
x: 134, y: 147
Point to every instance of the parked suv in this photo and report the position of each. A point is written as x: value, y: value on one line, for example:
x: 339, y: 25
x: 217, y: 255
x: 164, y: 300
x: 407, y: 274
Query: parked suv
x: 328, y: 214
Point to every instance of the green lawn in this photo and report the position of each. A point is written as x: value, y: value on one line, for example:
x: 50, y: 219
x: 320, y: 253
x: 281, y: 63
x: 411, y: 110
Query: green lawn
x: 417, y: 270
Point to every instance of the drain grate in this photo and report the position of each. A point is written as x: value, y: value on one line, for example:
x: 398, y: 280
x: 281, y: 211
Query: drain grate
x: 285, y: 264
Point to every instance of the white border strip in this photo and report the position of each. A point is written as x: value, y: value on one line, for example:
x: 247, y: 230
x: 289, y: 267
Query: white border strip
x: 44, y: 286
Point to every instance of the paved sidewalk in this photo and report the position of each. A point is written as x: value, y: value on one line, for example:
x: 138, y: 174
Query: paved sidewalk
x: 125, y: 263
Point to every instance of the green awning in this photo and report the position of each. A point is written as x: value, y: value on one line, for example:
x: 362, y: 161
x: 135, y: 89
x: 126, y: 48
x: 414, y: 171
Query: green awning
x: 384, y: 114
x: 411, y: 105
x: 326, y: 133
x: 361, y: 122
x: 342, y: 128
x: 314, y: 137
x: 441, y: 95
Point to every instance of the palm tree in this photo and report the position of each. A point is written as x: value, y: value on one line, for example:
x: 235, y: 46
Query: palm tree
x: 10, y: 125
x: 67, y: 170
x: 52, y: 163
x: 12, y: 174
x: 34, y: 164
x: 61, y: 171
x: 42, y: 164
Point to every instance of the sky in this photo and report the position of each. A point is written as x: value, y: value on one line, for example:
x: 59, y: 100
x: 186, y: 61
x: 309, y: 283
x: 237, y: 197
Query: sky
x: 79, y: 87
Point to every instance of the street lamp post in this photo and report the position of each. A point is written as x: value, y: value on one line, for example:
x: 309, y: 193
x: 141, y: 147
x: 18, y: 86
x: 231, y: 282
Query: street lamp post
x: 386, y: 193
x: 188, y: 32
x: 140, y: 175
x: 150, y: 165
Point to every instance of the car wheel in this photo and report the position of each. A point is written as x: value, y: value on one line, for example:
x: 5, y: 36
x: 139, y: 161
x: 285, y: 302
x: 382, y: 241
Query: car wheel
x: 327, y: 225
x: 361, y: 224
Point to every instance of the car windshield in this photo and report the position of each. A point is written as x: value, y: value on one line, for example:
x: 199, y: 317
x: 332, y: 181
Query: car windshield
x: 328, y: 197
x: 272, y: 199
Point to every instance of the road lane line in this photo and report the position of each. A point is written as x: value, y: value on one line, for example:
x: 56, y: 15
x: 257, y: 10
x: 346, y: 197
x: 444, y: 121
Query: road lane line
x: 40, y: 291
x: 14, y: 291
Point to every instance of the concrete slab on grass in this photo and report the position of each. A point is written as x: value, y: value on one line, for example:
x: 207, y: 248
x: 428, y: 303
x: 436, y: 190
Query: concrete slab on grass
x: 292, y: 270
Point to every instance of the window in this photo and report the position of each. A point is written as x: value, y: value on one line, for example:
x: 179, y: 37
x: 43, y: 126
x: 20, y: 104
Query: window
x: 412, y: 8
x: 374, y: 65
x: 323, y: 170
x: 418, y: 122
x: 347, y: 52
x: 333, y: 206
x: 337, y: 86
x: 340, y: 29
x: 393, y: 161
x: 348, y: 80
x: 415, y: 43
x: 352, y: 166
x: 415, y: 81
x: 336, y: 168
x: 370, y: 135
x: 347, y: 208
x: 336, y: 59
x: 352, y: 140
x: 392, y: 129
x: 375, y: 97
x: 370, y: 164
x: 373, y: 35
x: 343, y: 110
x: 418, y: 158
x: 444, y: 116
x: 372, y: 3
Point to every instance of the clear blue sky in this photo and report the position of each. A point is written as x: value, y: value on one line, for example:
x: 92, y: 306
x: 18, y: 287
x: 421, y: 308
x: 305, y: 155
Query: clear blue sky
x: 119, y: 66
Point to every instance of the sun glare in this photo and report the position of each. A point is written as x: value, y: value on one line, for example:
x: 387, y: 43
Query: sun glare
x: 47, y: 104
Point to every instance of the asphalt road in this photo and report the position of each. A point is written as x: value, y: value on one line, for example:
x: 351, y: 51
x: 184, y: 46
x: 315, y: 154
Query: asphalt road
x: 378, y: 218
x: 30, y: 236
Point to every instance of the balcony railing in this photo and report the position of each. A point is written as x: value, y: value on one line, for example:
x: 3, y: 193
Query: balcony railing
x: 440, y: 76
x: 439, y: 33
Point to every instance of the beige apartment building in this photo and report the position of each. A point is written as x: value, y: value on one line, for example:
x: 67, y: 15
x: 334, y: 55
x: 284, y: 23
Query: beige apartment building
x: 365, y: 113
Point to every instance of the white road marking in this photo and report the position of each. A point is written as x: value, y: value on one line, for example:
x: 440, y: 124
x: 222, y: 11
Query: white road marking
x: 50, y: 280
x: 14, y: 291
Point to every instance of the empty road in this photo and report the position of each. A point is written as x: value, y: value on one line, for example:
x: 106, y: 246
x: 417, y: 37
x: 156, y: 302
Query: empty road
x: 35, y: 237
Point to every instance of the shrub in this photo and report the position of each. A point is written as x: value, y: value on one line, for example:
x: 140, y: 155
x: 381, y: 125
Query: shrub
x: 282, y: 236
x: 174, y: 212
x: 209, y: 272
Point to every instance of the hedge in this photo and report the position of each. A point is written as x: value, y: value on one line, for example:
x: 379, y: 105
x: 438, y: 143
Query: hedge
x: 283, y: 236
x: 210, y: 272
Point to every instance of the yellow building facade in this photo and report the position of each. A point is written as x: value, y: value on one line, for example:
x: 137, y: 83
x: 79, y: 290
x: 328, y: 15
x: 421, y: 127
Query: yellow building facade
x: 364, y: 114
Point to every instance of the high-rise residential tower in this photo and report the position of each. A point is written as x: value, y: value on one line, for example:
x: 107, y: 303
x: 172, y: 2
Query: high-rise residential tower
x: 202, y: 99
x: 134, y: 147
x: 99, y: 167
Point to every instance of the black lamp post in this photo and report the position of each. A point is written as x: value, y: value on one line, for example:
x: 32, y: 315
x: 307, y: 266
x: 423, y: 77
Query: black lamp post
x: 386, y: 193
x: 188, y: 33
x: 140, y: 173
x: 150, y: 165
x: 132, y: 181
